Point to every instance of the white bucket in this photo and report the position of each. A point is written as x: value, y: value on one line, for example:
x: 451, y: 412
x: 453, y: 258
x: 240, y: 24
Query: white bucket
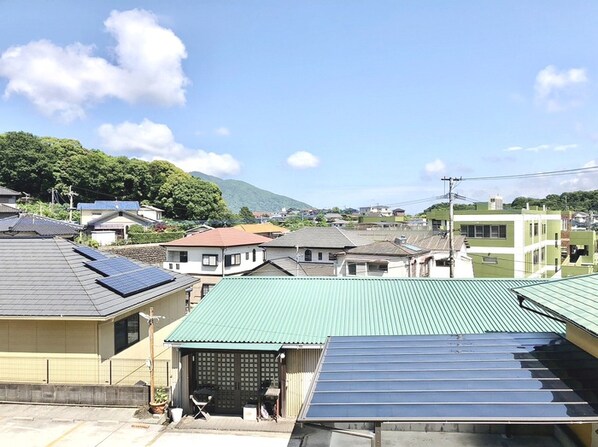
x: 176, y: 414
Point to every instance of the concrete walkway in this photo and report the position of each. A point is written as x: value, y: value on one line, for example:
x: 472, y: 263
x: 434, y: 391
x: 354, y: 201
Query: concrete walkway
x: 64, y: 426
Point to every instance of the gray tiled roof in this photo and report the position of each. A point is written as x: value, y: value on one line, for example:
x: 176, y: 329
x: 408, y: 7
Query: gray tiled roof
x: 47, y: 278
x: 42, y: 226
x: 8, y: 192
x: 390, y: 248
x: 318, y: 237
x: 421, y: 238
x: 295, y: 268
x: 7, y: 210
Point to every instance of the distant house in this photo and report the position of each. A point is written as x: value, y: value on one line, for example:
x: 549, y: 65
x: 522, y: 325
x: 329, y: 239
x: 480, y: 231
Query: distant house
x: 30, y: 225
x: 213, y: 254
x: 272, y: 329
x: 437, y: 243
x: 150, y: 212
x: 9, y: 197
x: 263, y: 229
x: 8, y: 211
x: 99, y: 208
x: 108, y: 221
x: 312, y: 244
x: 394, y: 259
x: 376, y: 210
x: 69, y: 315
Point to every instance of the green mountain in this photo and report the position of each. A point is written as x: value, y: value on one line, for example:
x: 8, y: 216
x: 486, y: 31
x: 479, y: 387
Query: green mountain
x: 238, y: 194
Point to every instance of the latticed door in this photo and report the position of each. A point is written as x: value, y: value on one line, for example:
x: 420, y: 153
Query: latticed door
x: 249, y: 379
x: 236, y: 376
x: 227, y: 395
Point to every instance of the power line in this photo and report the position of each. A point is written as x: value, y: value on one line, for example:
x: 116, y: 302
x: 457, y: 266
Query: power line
x: 535, y: 175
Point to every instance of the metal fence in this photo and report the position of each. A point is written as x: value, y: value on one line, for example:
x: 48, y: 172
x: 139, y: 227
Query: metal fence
x: 90, y: 371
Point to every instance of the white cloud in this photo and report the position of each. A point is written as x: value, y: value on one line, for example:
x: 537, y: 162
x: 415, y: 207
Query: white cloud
x: 565, y: 147
x: 64, y: 81
x: 539, y: 148
x: 557, y: 90
x: 152, y: 141
x: 303, y: 160
x: 144, y: 139
x: 222, y: 131
x: 584, y: 180
x: 435, y: 167
x: 542, y: 147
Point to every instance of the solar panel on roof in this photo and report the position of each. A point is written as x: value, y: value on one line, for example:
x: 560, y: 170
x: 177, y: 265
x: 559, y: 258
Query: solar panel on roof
x: 469, y: 378
x: 90, y: 253
x: 112, y: 266
x: 130, y: 283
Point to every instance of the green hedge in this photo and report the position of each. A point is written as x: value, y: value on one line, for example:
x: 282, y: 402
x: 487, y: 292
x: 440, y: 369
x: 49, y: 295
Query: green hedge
x: 154, y: 238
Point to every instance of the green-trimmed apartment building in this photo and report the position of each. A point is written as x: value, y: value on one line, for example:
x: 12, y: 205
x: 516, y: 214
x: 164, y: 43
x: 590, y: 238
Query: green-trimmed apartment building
x: 582, y: 256
x: 507, y: 243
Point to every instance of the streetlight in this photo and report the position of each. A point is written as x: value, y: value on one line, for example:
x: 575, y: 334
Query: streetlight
x: 150, y: 321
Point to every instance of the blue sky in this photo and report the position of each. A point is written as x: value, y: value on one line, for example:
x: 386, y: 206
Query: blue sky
x: 335, y: 103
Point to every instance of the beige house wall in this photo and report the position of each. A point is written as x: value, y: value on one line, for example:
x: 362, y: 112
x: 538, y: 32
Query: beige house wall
x: 82, y: 352
x: 301, y: 366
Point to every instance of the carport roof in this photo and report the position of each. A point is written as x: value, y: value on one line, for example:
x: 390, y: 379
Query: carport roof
x: 487, y: 378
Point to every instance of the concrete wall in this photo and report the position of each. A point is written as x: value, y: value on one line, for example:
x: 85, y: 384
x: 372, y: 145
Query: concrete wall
x: 120, y: 396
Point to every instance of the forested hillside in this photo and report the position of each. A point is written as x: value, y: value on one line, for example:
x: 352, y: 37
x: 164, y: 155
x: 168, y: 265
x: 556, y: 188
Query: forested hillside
x: 567, y: 201
x: 238, y: 194
x: 35, y: 165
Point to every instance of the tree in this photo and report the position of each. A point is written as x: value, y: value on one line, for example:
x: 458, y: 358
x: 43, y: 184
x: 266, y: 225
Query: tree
x: 246, y: 215
x: 185, y: 197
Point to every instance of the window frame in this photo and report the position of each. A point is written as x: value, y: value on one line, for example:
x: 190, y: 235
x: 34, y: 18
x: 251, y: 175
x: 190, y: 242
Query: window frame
x: 125, y: 327
x: 207, y: 259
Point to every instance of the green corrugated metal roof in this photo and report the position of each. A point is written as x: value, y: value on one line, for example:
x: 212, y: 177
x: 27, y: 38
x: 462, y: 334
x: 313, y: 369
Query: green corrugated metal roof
x: 231, y: 346
x: 306, y: 310
x: 572, y: 299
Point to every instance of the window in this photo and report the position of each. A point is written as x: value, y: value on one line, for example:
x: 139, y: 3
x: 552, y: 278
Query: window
x: 319, y: 256
x: 535, y: 257
x: 254, y: 255
x: 543, y: 228
x: 178, y: 256
x: 332, y: 256
x: 126, y: 333
x: 484, y: 231
x: 352, y: 269
x: 308, y: 255
x: 247, y: 256
x: 443, y: 262
x: 489, y: 260
x: 543, y: 254
x: 211, y: 260
x: 378, y: 267
x: 535, y: 229
x: 232, y: 259
x: 205, y: 288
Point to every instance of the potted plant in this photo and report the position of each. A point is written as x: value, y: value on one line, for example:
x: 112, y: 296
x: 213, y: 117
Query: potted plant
x: 161, y: 398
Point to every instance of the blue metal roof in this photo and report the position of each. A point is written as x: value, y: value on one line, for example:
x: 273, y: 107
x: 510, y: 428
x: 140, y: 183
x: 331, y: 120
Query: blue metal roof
x: 112, y: 205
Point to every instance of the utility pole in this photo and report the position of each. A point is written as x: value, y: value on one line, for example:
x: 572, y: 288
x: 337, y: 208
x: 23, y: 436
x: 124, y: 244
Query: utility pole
x: 451, y: 181
x: 150, y: 321
x: 71, y: 195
